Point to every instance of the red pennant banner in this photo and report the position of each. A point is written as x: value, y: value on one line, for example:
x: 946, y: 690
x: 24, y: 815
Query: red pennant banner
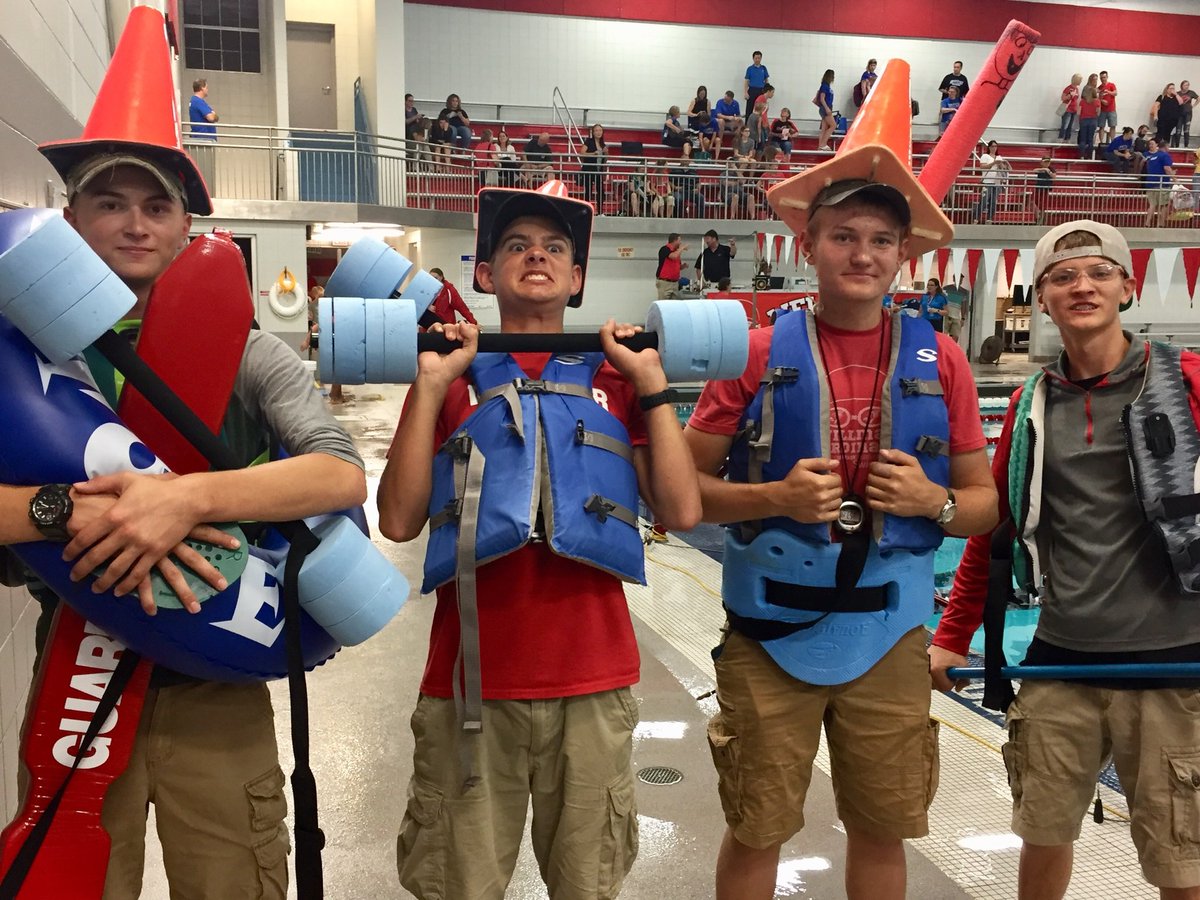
x: 1141, y: 258
x: 912, y: 267
x: 973, y: 258
x: 1010, y: 264
x: 1191, y: 265
x: 943, y: 258
x: 778, y: 248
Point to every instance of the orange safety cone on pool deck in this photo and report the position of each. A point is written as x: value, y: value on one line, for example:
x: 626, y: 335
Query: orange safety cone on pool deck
x: 877, y: 148
x: 136, y: 110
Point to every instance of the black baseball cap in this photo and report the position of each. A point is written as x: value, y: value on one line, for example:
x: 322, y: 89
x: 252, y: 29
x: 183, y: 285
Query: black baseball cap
x: 840, y: 191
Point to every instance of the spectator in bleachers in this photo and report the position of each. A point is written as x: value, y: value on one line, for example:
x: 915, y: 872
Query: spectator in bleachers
x: 783, y: 130
x: 699, y: 113
x: 508, y: 160
x: 955, y: 79
x: 1106, y: 122
x: 757, y: 78
x: 743, y: 147
x: 412, y: 117
x: 1043, y: 183
x: 865, y: 82
x: 595, y: 157
x: 673, y: 133
x: 760, y: 128
x: 1141, y: 148
x: 823, y: 101
x: 729, y: 119
x: 486, y: 161
x: 1196, y: 178
x: 1187, y: 102
x: 1159, y: 174
x: 950, y: 104
x: 736, y: 187
x: 539, y: 160
x: 995, y: 175
x: 441, y: 141
x: 658, y: 188
x: 460, y: 123
x: 1089, y: 110
x: 1165, y: 112
x: 778, y: 170
x: 685, y: 185
x: 1119, y: 152
x: 418, y: 144
x: 1070, y: 107
x: 635, y: 191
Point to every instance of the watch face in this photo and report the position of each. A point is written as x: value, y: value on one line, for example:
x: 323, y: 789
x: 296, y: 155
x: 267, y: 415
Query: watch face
x: 50, y: 507
x: 851, y: 516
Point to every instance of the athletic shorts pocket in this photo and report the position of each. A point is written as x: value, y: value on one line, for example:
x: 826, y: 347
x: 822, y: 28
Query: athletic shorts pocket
x: 725, y: 749
x: 1014, y: 755
x: 932, y: 762
x: 268, y: 805
x: 1185, y: 801
x: 421, y: 850
x: 619, y: 846
x: 271, y: 856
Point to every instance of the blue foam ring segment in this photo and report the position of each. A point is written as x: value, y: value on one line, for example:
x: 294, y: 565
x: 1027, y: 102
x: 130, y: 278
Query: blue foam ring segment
x: 735, y: 339
x: 359, y: 587
x: 400, y: 341
x: 342, y: 547
x: 374, y: 362
x: 349, y: 341
x: 18, y: 224
x: 422, y: 290
x: 370, y: 268
x: 68, y: 283
x: 374, y: 614
x: 90, y: 317
x: 672, y: 322
x: 25, y: 263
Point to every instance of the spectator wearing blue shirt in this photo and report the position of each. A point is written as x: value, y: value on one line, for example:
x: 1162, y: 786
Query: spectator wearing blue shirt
x: 1119, y: 152
x: 866, y: 81
x: 756, y: 79
x: 729, y: 118
x: 950, y: 104
x: 200, y: 114
x: 933, y: 304
x: 823, y: 100
x: 1159, y: 173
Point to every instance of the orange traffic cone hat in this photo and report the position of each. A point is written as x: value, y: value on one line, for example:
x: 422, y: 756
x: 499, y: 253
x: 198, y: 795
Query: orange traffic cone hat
x: 136, y: 112
x: 876, y: 151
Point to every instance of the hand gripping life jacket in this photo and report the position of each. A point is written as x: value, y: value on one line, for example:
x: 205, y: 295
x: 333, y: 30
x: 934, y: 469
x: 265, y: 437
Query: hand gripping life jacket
x: 783, y: 571
x: 1164, y: 459
x: 538, y: 459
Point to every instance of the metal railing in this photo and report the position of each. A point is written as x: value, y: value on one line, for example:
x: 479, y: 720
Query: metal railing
x: 267, y: 163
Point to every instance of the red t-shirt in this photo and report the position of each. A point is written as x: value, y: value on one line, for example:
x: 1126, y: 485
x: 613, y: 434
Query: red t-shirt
x: 1108, y: 102
x: 1088, y: 109
x: 850, y: 359
x: 548, y: 626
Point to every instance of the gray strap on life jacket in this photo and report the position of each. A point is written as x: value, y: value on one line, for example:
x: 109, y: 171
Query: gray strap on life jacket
x: 602, y: 441
x: 468, y: 693
x: 761, y: 435
x: 602, y: 508
x: 921, y: 387
x: 459, y: 448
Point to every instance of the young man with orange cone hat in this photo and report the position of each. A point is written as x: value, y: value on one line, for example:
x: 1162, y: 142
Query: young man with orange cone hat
x: 854, y: 443
x: 526, y: 695
x: 204, y: 752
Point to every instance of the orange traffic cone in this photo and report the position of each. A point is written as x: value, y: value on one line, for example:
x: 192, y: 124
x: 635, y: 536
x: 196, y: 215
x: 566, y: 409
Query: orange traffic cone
x: 877, y: 148
x: 136, y: 110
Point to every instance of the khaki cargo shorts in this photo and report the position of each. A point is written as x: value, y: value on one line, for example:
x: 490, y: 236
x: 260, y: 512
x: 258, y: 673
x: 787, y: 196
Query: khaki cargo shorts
x: 1061, y: 735
x: 882, y: 744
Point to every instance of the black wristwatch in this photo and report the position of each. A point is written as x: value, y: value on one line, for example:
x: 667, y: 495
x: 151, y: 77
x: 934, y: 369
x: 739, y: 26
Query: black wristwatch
x: 50, y: 509
x: 650, y: 401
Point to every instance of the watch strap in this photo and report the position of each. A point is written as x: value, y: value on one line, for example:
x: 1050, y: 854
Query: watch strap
x: 652, y: 400
x: 53, y: 528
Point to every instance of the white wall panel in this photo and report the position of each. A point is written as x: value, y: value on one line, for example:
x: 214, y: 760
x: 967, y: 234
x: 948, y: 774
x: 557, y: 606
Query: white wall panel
x: 518, y: 59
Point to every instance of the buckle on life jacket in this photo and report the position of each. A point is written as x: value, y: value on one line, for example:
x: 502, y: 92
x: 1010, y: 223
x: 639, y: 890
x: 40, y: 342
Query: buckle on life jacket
x: 781, y: 375
x: 601, y: 507
x: 916, y: 387
x: 530, y: 386
x: 459, y: 446
x: 933, y: 446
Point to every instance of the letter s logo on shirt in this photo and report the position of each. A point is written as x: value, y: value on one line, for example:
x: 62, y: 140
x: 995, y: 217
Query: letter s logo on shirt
x: 926, y: 354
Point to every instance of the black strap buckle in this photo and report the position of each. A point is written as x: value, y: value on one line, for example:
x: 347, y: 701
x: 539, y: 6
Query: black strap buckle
x: 580, y: 432
x: 933, y: 446
x: 600, y: 507
x: 530, y: 386
x: 781, y: 375
x: 459, y: 446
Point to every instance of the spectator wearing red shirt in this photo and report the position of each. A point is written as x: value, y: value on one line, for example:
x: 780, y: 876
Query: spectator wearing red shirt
x: 449, y: 301
x: 1089, y: 110
x: 1106, y: 122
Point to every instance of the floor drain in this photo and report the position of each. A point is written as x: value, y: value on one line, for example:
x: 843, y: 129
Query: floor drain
x: 660, y: 775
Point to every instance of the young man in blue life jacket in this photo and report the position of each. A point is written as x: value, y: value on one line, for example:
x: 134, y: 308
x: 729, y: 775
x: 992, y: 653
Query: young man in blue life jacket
x: 205, y: 753
x: 853, y: 442
x: 528, y: 469
x: 1096, y: 469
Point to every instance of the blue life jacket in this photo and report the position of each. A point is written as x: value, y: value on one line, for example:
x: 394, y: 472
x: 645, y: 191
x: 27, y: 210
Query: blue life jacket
x: 547, y: 445
x: 769, y: 564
